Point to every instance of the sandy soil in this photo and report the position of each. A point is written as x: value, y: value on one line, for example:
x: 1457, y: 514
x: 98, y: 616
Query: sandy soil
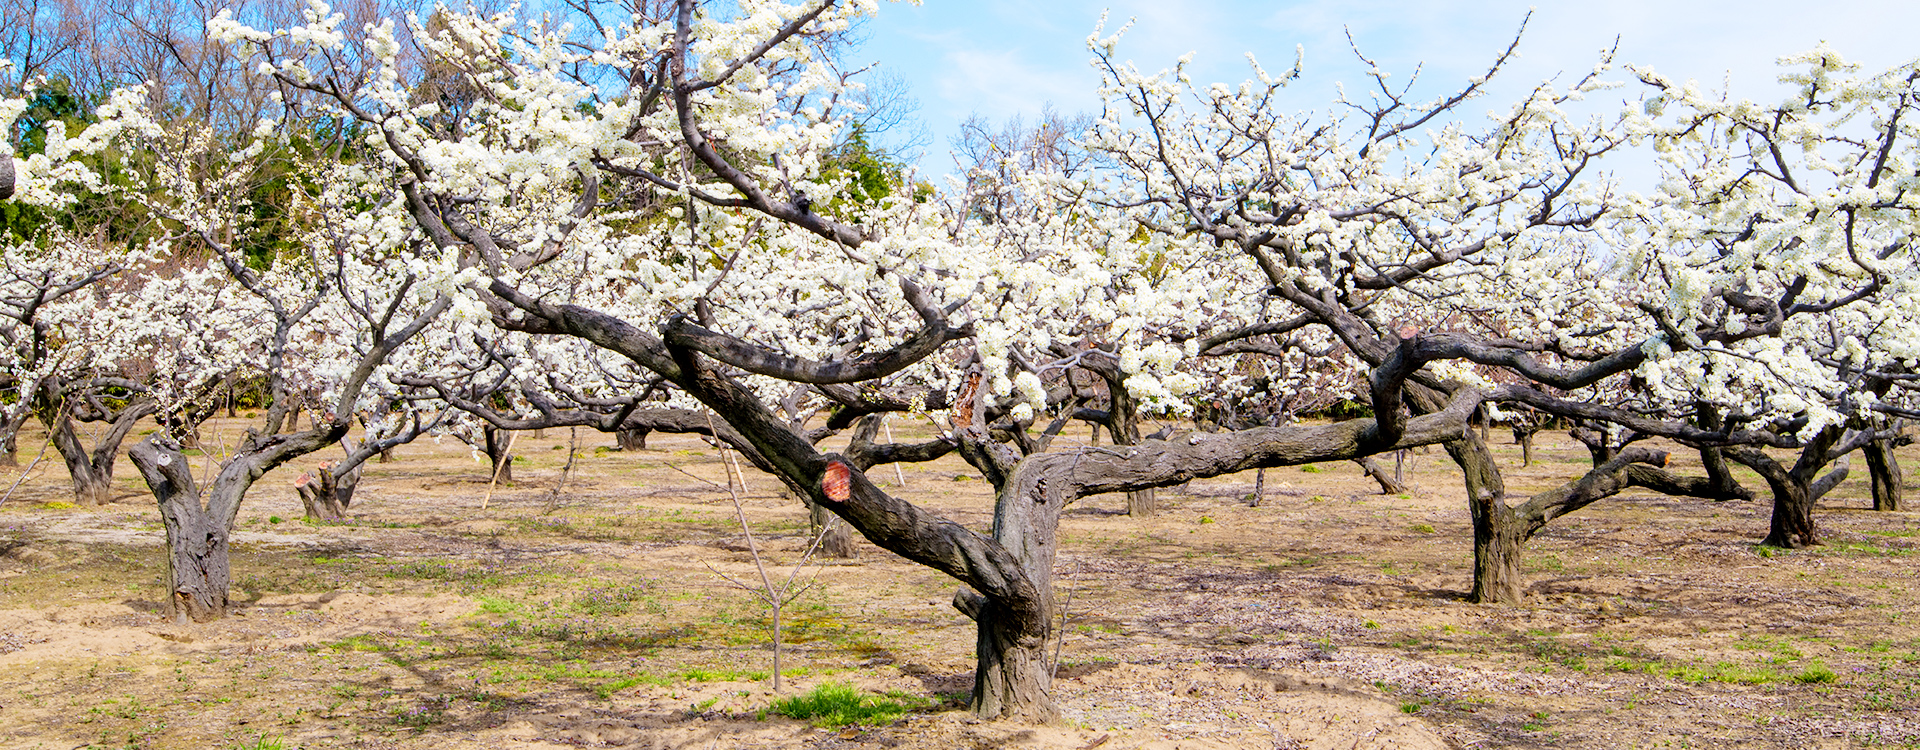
x: 600, y: 615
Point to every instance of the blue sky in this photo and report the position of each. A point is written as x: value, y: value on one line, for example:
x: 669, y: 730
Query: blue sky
x: 1000, y: 58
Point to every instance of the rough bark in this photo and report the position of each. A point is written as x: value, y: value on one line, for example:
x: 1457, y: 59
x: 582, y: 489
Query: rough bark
x: 1496, y: 531
x: 92, y: 471
x: 198, y: 568
x: 1389, y: 484
x: 10, y: 437
x: 498, y: 445
x: 1012, y: 678
x: 1501, y: 530
x: 325, y: 494
x: 1885, y: 471
x: 1123, y: 425
x: 1525, y: 438
x: 632, y: 440
x: 1797, y: 489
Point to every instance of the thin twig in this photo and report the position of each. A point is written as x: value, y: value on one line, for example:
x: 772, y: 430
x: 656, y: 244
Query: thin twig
x: 35, y: 462
x: 1065, y: 610
x: 710, y: 483
x: 887, y: 422
x: 573, y: 449
x: 753, y: 548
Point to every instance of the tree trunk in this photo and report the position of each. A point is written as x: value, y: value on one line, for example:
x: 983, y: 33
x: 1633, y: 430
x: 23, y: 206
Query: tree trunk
x: 498, y: 446
x: 1259, y: 487
x: 1012, y: 679
x: 1792, y: 524
x: 1598, y: 445
x: 632, y: 440
x: 1794, y: 492
x: 1498, y: 534
x: 1884, y: 469
x: 198, y: 569
x: 1142, y: 504
x: 838, y: 542
x: 1525, y: 439
x: 1499, y: 540
x: 10, y: 437
x: 1123, y: 425
x: 1388, y: 484
x: 327, y: 495
x: 90, y: 487
x: 92, y: 471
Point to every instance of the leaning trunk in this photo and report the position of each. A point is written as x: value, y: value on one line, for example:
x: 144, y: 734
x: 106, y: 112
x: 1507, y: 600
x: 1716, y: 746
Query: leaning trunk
x: 1498, y: 533
x: 92, y: 471
x: 1884, y: 469
x: 1389, y: 484
x: 198, y: 568
x: 90, y: 487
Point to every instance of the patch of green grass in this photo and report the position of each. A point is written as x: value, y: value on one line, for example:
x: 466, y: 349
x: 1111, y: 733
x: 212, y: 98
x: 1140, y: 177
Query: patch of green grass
x: 1310, y: 468
x: 1421, y: 528
x: 1724, y: 671
x: 837, y: 704
x: 1815, y: 673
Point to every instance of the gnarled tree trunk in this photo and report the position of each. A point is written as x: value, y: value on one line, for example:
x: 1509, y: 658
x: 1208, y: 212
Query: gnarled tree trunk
x: 199, y: 571
x: 1884, y: 469
x: 1501, y: 531
x: 498, y: 445
x: 92, y: 471
x: 632, y: 440
x: 1497, y: 534
x: 1796, y: 489
x: 326, y: 495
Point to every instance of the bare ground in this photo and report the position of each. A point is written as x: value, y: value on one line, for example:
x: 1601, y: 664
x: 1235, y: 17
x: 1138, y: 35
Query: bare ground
x: 597, y: 616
